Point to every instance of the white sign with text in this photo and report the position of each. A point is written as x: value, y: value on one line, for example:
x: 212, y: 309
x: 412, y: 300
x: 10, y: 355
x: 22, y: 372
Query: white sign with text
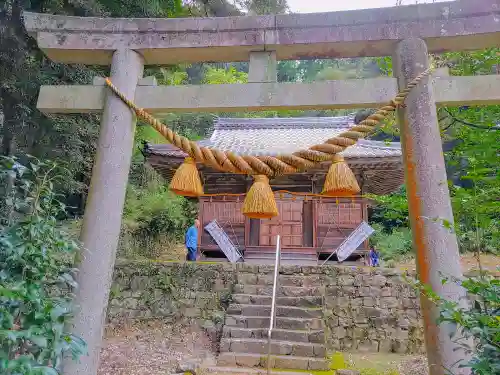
x: 226, y: 245
x: 352, y: 242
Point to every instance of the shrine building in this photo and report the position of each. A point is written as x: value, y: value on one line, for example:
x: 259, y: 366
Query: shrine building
x: 310, y: 225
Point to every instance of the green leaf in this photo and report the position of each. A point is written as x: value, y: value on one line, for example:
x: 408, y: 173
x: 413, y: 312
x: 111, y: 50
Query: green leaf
x: 58, y: 311
x: 39, y: 341
x: 45, y: 370
x: 9, y: 335
x: 33, y: 259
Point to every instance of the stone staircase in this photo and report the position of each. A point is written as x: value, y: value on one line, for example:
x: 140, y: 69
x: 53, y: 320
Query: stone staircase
x: 298, y: 341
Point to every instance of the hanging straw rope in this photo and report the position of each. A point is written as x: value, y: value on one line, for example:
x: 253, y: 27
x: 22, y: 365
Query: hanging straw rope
x: 272, y: 166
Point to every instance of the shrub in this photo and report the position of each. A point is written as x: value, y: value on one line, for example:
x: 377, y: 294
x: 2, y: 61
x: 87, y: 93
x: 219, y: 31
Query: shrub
x: 477, y: 326
x: 482, y: 240
x: 35, y: 275
x: 392, y: 245
x: 154, y: 219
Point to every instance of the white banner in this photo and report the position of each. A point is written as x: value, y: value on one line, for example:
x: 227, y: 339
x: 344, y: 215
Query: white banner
x: 352, y: 242
x: 226, y: 245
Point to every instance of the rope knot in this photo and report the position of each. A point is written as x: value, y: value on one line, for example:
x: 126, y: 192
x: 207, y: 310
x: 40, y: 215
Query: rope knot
x: 261, y: 178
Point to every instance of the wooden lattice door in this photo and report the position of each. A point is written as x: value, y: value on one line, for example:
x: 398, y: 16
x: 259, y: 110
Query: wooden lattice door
x: 336, y: 221
x: 288, y: 224
x: 228, y: 215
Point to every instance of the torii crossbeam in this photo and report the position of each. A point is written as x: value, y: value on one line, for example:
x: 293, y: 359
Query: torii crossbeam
x: 407, y: 33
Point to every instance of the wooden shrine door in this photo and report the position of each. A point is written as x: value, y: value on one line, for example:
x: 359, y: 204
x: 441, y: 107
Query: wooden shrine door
x: 288, y: 224
x: 336, y: 221
x: 228, y: 214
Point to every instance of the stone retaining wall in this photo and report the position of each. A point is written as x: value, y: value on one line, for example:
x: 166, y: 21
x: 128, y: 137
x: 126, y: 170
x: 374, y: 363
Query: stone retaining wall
x: 172, y: 291
x: 371, y: 310
x: 365, y: 309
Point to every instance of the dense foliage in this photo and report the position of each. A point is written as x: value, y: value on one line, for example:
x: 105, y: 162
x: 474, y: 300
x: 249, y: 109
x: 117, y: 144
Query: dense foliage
x: 476, y: 328
x: 36, y: 277
x: 154, y: 219
x: 470, y: 140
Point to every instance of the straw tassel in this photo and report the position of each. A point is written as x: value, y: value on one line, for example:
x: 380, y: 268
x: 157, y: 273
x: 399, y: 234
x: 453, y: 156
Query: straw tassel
x: 340, y: 180
x: 186, y: 180
x: 259, y: 202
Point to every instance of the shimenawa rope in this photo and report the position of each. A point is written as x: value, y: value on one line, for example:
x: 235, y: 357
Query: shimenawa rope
x: 271, y: 166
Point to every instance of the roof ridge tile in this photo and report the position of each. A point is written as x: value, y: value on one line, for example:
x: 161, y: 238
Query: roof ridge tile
x: 284, y: 122
x: 273, y: 136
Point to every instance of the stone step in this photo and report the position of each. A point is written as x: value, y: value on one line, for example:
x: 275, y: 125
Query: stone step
x: 281, y: 311
x: 260, y: 346
x: 284, y: 262
x: 283, y: 291
x: 284, y: 270
x: 305, y: 301
x: 246, y: 370
x: 304, y: 324
x: 287, y: 362
x: 299, y: 254
x: 283, y: 280
x: 315, y: 337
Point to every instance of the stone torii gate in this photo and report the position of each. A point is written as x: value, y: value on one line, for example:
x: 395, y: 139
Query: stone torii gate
x: 407, y: 33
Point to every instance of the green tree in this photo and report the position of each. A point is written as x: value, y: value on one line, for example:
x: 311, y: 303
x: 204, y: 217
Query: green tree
x: 474, y: 161
x: 470, y: 140
x: 36, y: 275
x: 150, y: 8
x: 264, y: 6
x: 207, y: 8
x: 70, y: 140
x: 477, y: 326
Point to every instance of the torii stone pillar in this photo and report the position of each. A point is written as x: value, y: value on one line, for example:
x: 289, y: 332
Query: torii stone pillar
x: 103, y: 211
x: 429, y: 203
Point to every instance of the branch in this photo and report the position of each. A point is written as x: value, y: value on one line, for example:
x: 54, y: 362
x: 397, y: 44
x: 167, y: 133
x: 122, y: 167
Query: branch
x: 449, y: 126
x: 469, y: 123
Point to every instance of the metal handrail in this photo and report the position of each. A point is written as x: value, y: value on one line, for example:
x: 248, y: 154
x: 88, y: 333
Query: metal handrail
x: 273, y: 303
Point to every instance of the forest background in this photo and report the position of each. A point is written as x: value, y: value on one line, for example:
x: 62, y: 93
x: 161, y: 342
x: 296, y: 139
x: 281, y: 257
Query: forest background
x: 154, y: 219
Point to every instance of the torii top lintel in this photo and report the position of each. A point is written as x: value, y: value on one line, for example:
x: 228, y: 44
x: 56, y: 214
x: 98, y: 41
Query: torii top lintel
x: 446, y: 26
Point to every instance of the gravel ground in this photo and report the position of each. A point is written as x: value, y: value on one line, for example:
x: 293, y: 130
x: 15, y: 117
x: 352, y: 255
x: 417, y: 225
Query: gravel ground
x: 153, y: 348
x: 414, y: 366
x: 388, y: 363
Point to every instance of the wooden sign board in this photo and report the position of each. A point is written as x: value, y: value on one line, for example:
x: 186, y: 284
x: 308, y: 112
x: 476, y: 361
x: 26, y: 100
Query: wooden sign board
x: 352, y: 242
x: 222, y: 239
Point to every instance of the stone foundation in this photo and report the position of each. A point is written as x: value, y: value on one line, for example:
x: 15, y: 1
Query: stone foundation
x: 171, y: 291
x: 371, y: 310
x: 364, y: 309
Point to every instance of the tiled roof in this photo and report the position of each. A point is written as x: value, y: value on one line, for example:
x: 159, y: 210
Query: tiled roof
x: 272, y: 136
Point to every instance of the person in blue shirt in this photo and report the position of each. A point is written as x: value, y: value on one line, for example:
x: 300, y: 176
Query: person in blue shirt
x: 374, y: 257
x: 191, y: 240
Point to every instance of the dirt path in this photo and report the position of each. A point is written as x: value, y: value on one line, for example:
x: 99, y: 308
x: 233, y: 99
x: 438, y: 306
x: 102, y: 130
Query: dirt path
x: 388, y: 363
x: 489, y: 262
x: 152, y: 349
x: 155, y: 348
